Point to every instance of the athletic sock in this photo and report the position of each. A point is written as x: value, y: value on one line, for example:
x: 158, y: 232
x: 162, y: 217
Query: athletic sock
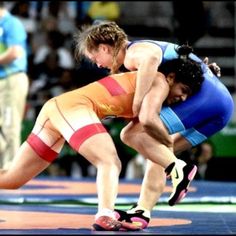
x: 105, y: 212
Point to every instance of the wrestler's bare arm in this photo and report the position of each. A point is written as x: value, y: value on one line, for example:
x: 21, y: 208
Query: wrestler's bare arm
x: 145, y: 58
x: 151, y: 106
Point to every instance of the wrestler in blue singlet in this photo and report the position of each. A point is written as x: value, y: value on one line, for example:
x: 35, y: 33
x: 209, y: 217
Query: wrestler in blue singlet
x: 202, y: 114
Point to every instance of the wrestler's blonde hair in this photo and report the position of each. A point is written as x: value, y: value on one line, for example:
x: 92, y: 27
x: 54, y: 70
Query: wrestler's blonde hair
x: 105, y: 32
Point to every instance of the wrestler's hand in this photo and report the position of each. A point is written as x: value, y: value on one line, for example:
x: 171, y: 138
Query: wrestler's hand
x: 213, y: 66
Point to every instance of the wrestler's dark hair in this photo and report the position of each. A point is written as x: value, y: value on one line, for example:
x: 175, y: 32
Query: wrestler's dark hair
x: 184, y: 51
x: 187, y: 71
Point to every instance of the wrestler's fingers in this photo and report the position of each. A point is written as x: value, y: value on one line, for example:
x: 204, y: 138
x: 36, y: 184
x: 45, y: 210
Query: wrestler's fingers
x: 206, y: 60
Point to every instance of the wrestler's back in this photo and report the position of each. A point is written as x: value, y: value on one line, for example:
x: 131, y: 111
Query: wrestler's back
x: 110, y: 96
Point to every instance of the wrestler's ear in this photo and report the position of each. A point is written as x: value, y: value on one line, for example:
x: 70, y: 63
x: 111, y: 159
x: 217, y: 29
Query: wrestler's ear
x: 170, y: 78
x: 104, y: 47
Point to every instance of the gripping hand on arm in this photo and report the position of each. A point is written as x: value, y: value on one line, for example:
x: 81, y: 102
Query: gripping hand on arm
x: 213, y: 66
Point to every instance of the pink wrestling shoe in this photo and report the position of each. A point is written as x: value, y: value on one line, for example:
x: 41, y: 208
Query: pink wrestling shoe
x: 134, y: 216
x: 106, y: 223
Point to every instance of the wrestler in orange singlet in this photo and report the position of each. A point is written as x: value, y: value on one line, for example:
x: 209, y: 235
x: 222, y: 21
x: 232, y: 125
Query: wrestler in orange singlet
x: 77, y: 114
x: 76, y: 117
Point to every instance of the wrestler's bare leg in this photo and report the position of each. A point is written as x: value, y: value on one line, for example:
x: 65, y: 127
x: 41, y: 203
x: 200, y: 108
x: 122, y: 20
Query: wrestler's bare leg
x: 155, y: 177
x: 151, y: 190
x: 79, y: 125
x: 140, y: 142
x: 83, y: 130
x: 26, y: 165
x: 134, y: 135
x: 101, y: 152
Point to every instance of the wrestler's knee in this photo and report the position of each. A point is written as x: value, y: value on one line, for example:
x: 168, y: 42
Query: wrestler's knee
x: 111, y: 161
x: 100, y: 155
x: 15, y: 185
x: 127, y: 136
x: 10, y: 183
x: 124, y: 136
x: 131, y: 139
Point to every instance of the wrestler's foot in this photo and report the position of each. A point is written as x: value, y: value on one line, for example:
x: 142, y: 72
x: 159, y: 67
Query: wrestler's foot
x: 134, y: 215
x: 106, y: 223
x: 181, y: 175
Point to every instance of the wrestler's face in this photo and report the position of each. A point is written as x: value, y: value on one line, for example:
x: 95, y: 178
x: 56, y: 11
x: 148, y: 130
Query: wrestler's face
x: 102, y: 56
x: 178, y: 91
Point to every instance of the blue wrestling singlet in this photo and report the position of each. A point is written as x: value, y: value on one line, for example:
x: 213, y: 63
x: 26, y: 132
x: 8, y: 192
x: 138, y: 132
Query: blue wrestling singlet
x: 202, y: 114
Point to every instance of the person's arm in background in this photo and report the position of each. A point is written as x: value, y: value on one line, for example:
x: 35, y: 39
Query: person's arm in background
x: 12, y: 53
x: 145, y: 58
x: 12, y: 40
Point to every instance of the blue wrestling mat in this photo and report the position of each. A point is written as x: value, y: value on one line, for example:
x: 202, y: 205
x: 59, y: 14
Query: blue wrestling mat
x: 67, y: 206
